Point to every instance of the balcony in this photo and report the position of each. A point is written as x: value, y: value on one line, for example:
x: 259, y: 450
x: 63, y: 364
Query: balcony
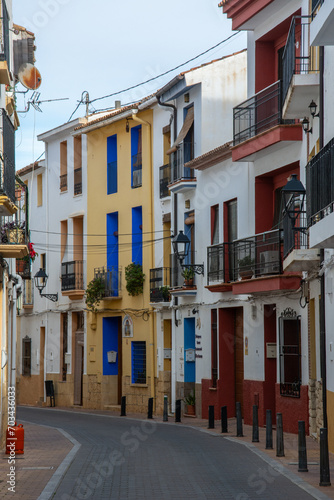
x: 164, y: 180
x: 320, y: 197
x: 249, y: 265
x: 178, y: 285
x: 160, y: 279
x: 258, y: 127
x: 298, y: 256
x: 182, y: 177
x: 7, y: 167
x: 321, y: 29
x: 72, y: 279
x: 14, y: 234
x: 112, y: 280
x: 300, y: 84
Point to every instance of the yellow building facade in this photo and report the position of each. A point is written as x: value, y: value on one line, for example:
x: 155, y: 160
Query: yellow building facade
x: 121, y: 338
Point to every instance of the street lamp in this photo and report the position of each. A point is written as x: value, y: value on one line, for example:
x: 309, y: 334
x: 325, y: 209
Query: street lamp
x: 293, y: 197
x: 181, y: 245
x: 40, y: 280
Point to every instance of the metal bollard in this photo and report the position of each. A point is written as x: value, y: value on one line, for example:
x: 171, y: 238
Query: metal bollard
x: 324, y: 459
x: 150, y: 408
x: 123, y: 406
x: 239, y: 420
x: 279, y: 436
x: 302, y: 456
x: 178, y: 410
x: 223, y: 415
x: 165, y: 416
x: 211, y: 417
x: 269, y: 431
x: 255, y: 436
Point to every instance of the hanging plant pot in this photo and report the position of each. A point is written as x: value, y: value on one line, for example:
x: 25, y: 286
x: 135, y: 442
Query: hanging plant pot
x: 15, y: 236
x: 23, y: 269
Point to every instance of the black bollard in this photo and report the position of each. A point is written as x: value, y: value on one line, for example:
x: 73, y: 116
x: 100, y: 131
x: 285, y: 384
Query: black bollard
x: 150, y: 408
x: 123, y: 406
x: 269, y: 431
x: 178, y: 410
x: 239, y: 420
x: 255, y: 436
x: 279, y: 436
x: 223, y: 415
x: 302, y: 456
x: 165, y: 416
x: 211, y: 417
x: 324, y: 459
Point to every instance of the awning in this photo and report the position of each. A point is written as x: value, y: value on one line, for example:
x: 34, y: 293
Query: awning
x: 188, y: 121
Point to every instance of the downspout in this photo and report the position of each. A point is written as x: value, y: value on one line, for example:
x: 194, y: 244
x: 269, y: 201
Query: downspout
x: 149, y: 149
x: 4, y: 352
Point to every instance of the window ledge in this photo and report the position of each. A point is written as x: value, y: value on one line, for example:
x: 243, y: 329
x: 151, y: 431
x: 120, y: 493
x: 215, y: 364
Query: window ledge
x: 212, y: 388
x: 138, y: 385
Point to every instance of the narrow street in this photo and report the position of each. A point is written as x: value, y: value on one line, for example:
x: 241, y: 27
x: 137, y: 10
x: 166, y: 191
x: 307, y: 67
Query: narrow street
x: 122, y: 458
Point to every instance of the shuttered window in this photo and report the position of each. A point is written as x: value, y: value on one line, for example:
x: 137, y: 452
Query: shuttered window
x: 138, y: 362
x: 26, y: 356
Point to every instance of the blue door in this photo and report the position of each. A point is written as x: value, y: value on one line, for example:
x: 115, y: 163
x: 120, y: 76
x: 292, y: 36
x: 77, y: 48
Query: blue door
x: 189, y: 343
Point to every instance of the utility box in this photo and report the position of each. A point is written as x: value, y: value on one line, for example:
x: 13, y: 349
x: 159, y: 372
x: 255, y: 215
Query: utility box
x: 112, y: 356
x: 190, y: 355
x: 271, y: 350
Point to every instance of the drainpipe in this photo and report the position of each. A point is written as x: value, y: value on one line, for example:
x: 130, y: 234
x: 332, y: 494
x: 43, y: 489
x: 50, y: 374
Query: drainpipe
x: 4, y: 352
x: 150, y: 214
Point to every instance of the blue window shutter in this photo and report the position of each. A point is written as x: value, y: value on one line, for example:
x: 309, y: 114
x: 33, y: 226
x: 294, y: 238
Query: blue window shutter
x: 112, y: 164
x: 137, y: 235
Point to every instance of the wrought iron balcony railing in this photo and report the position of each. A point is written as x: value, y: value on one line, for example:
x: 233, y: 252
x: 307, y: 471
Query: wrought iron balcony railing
x: 14, y: 228
x: 255, y: 256
x: 178, y: 170
x: 112, y: 280
x: 72, y: 277
x: 297, y: 57
x: 258, y: 114
x: 295, y: 236
x: 164, y: 179
x: 320, y: 184
x: 176, y: 274
x: 160, y: 279
x: 4, y: 36
x: 7, y: 162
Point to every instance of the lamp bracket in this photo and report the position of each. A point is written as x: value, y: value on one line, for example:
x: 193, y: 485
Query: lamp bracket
x: 50, y: 296
x: 197, y: 268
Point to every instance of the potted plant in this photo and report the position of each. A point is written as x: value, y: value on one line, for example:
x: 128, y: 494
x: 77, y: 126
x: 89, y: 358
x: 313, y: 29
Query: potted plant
x: 245, y: 266
x: 23, y: 265
x: 134, y: 278
x: 165, y: 293
x: 190, y: 401
x: 13, y: 232
x: 94, y: 293
x: 188, y: 274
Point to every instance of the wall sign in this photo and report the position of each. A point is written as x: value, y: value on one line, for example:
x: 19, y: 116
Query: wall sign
x: 127, y: 326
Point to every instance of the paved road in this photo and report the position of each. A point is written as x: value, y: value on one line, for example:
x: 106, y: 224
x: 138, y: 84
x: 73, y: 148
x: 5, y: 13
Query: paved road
x: 125, y: 459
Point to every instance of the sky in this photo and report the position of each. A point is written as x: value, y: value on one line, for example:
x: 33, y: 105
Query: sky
x: 105, y: 46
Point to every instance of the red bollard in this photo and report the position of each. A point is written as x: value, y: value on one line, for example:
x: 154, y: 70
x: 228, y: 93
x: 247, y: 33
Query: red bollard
x: 15, y: 439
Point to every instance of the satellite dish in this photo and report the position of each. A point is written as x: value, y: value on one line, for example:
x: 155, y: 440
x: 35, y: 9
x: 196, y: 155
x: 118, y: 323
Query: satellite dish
x: 29, y: 76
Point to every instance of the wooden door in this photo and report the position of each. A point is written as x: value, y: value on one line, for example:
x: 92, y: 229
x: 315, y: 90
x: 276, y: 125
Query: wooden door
x: 78, y: 366
x: 239, y: 355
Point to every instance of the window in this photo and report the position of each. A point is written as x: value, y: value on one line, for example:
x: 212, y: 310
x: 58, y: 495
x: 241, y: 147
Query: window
x: 77, y: 165
x: 215, y: 225
x: 64, y: 344
x: 136, y: 157
x: 289, y: 353
x: 214, y: 348
x: 188, y: 143
x: 138, y: 355
x: 137, y: 235
x: 43, y: 262
x: 112, y: 164
x: 26, y: 356
x: 39, y: 190
x: 63, y: 166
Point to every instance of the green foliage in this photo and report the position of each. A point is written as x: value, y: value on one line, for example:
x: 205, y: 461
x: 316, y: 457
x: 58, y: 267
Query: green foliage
x: 188, y: 273
x: 190, y: 399
x: 246, y: 263
x: 94, y: 293
x: 134, y: 278
x: 164, y: 290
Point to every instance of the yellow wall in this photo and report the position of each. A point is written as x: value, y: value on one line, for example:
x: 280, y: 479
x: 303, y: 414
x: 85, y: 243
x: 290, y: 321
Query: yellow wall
x: 99, y: 203
x: 330, y: 417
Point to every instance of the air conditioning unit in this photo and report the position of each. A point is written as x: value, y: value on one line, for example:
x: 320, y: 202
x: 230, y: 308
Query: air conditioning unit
x: 269, y: 262
x: 136, y: 178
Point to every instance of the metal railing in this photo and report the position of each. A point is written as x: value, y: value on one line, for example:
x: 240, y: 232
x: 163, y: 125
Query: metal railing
x: 78, y: 181
x: 160, y: 279
x: 295, y: 236
x: 218, y: 263
x: 112, y: 280
x: 72, y: 275
x: 297, y: 59
x: 258, y: 114
x: 63, y: 182
x: 15, y: 228
x: 320, y: 184
x: 178, y: 170
x: 4, y: 36
x: 164, y: 180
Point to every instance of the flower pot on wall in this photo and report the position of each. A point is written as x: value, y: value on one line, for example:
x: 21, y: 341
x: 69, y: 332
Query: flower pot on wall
x: 23, y: 269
